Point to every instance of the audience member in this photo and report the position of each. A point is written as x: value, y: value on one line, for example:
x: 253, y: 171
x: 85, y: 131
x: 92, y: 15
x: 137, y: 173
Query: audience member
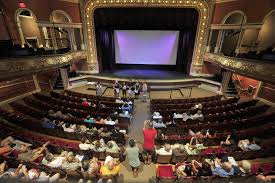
x: 165, y: 150
x: 132, y: 152
x: 149, y: 133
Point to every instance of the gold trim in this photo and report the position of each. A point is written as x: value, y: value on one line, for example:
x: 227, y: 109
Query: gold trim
x: 34, y: 64
x: 260, y: 70
x: 201, y: 35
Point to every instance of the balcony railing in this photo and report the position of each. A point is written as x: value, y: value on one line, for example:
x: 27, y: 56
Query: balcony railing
x: 33, y: 64
x: 257, y: 69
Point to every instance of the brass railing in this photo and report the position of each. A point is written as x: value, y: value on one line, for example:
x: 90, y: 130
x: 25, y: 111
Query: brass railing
x: 256, y: 69
x: 22, y: 65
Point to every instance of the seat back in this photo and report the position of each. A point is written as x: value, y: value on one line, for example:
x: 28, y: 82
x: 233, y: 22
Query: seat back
x: 163, y: 159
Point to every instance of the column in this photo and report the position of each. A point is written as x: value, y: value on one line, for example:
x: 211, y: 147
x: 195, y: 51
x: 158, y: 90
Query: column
x: 209, y: 41
x: 36, y: 84
x: 221, y: 42
x: 216, y: 50
x: 52, y: 32
x: 237, y: 50
x: 226, y: 77
x: 46, y: 37
x: 65, y: 78
x: 42, y: 40
x: 21, y: 35
x: 72, y: 39
x: 82, y: 45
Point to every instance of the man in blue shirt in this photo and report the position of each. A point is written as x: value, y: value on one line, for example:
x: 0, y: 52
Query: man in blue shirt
x: 47, y: 123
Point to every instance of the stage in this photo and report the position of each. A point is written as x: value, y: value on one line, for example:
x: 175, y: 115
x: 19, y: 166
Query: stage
x: 143, y: 74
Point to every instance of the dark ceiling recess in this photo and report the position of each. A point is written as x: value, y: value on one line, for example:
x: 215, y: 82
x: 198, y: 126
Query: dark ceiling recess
x: 146, y: 18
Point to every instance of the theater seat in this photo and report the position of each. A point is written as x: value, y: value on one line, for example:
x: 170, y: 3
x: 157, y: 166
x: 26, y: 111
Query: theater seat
x: 164, y: 173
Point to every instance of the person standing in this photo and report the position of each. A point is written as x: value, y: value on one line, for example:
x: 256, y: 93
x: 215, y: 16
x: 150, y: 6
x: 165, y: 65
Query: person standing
x: 132, y: 152
x: 137, y: 90
x: 124, y: 89
x: 149, y: 134
x: 116, y: 89
x: 144, y: 92
x: 98, y: 89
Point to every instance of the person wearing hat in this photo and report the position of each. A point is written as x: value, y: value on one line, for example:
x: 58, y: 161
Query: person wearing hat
x: 132, y: 152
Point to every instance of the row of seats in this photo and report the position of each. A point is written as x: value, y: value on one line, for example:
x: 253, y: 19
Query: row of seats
x: 189, y: 100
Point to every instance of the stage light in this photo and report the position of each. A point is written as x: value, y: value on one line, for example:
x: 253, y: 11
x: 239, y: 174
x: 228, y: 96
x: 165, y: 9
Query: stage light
x: 200, y: 4
x: 180, y: 1
x: 203, y: 23
x: 87, y: 16
x: 187, y: 1
x: 204, y: 17
x: 22, y: 5
x: 204, y: 9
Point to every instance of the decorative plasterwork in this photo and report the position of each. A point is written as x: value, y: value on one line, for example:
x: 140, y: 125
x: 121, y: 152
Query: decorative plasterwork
x: 257, y: 69
x: 201, y: 36
x: 71, y: 1
x: 21, y: 65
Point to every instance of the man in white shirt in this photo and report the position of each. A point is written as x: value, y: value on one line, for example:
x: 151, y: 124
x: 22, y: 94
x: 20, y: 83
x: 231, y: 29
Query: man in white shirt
x: 109, y: 121
x: 166, y: 150
x: 198, y: 116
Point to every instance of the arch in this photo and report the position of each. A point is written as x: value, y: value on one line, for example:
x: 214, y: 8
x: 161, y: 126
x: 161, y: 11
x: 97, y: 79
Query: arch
x: 19, y: 27
x: 267, y: 15
x: 232, y: 13
x: 63, y: 13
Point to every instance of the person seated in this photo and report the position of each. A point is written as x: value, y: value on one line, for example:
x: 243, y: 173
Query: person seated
x: 85, y: 144
x: 159, y: 137
x: 124, y: 114
x: 112, y: 147
x: 197, y: 107
x: 51, y: 112
x: 54, y: 161
x: 198, y: 116
x: 27, y: 154
x: 183, y: 170
x: 158, y: 124
x: 99, y: 146
x: 99, y: 120
x: 104, y: 132
x: 109, y: 170
x: 46, y: 123
x: 90, y: 168
x: 119, y: 101
x: 177, y: 115
x: 193, y: 148
x: 85, y: 103
x: 199, y: 134
x: 109, y: 121
x: 231, y: 140
x: 69, y: 127
x: 265, y: 178
x: 156, y: 115
x: 6, y: 145
x: 165, y: 150
x: 71, y: 162
x: 89, y: 119
x: 223, y: 168
x: 179, y: 150
x: 117, y: 133
x: 58, y: 114
x: 186, y: 116
x: 126, y: 107
x: 247, y: 145
x: 201, y: 169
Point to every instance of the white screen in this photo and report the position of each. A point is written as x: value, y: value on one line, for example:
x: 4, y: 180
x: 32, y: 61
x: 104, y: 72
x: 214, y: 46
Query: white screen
x: 152, y: 47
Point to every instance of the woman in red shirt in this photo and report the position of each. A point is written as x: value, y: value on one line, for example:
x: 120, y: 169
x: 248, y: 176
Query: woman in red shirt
x: 149, y: 135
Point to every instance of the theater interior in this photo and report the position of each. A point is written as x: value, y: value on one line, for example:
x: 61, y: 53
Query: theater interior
x: 123, y: 91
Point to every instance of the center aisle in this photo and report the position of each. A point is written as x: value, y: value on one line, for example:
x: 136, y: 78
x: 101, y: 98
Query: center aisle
x: 141, y: 113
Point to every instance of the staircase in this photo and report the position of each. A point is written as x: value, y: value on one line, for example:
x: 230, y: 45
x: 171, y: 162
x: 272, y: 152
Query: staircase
x: 231, y: 90
x: 58, y: 83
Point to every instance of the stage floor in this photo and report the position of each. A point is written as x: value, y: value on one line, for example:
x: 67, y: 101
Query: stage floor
x: 143, y: 74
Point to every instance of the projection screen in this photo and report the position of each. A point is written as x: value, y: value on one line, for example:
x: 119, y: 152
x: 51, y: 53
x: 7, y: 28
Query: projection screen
x: 153, y: 47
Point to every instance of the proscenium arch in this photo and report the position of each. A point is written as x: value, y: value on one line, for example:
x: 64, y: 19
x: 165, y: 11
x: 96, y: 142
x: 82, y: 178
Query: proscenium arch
x: 63, y: 13
x: 19, y: 27
x: 232, y: 13
x: 201, y: 35
x: 267, y: 15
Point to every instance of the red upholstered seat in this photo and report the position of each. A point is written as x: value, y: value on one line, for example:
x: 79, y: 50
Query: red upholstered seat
x: 73, y: 145
x: 165, y: 171
x: 266, y: 167
x: 255, y: 167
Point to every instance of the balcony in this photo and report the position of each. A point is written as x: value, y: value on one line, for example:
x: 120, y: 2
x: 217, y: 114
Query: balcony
x: 33, y: 64
x: 256, y: 69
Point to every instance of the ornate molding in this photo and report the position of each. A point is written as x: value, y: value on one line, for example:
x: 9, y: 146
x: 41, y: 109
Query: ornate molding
x: 201, y: 36
x: 257, y: 69
x: 17, y: 66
